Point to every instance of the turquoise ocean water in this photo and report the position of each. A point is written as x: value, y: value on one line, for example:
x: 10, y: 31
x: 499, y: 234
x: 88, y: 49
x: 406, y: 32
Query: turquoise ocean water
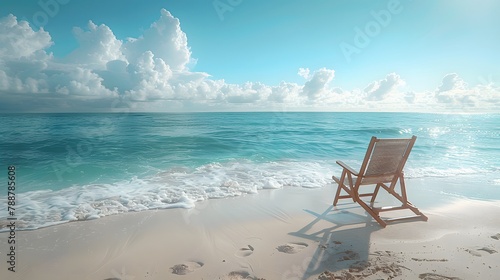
x: 85, y: 166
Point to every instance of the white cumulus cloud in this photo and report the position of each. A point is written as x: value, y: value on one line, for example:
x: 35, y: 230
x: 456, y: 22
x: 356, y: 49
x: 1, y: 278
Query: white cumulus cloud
x: 19, y: 40
x: 151, y: 73
x: 165, y: 40
x: 98, y: 46
x: 379, y: 90
x: 455, y: 92
x: 318, y: 83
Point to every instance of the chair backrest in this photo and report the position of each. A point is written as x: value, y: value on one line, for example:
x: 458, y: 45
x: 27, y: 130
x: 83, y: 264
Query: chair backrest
x: 386, y: 157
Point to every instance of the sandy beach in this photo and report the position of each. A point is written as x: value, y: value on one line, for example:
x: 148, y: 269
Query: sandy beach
x: 290, y: 233
x: 197, y: 140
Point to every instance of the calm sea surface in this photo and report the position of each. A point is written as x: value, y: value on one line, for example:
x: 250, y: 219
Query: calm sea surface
x: 85, y: 166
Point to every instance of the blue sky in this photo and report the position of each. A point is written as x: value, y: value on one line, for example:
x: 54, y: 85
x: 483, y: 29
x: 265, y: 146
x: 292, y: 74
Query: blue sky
x: 231, y: 55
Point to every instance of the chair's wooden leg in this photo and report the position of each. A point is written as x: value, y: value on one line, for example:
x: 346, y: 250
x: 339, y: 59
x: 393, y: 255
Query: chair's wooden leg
x: 339, y: 188
x: 336, y: 200
x: 353, y: 189
x: 403, y: 189
x: 404, y: 199
x: 417, y: 212
x: 372, y: 213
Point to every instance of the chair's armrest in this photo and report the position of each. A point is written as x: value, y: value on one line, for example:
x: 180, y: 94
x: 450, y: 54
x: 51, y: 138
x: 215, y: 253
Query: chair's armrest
x: 345, y: 166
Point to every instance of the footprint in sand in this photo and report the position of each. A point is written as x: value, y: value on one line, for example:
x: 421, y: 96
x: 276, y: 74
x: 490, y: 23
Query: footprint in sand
x: 343, y: 275
x: 383, y: 253
x: 429, y: 260
x: 240, y: 275
x: 359, y: 266
x: 496, y: 236
x: 473, y: 252
x: 489, y: 250
x: 237, y: 275
x: 245, y: 251
x: 185, y: 268
x: 376, y: 269
x: 348, y: 255
x: 434, y: 276
x: 478, y: 254
x: 292, y: 248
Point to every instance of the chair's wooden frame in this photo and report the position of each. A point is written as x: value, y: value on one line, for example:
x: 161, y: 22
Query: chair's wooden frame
x: 386, y: 181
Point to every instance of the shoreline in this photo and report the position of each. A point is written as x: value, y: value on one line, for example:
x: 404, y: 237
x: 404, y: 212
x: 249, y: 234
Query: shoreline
x: 291, y: 233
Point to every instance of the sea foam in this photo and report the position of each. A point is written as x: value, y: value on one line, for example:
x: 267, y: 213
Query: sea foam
x: 173, y: 188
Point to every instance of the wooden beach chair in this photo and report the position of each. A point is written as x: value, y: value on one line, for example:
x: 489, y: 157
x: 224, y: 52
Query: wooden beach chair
x: 382, y: 167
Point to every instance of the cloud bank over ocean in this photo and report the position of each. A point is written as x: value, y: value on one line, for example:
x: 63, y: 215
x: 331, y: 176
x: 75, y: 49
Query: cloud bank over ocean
x: 153, y: 72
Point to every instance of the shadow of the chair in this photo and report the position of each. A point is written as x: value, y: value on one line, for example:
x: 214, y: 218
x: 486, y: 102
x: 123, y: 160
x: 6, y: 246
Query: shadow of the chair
x: 340, y: 246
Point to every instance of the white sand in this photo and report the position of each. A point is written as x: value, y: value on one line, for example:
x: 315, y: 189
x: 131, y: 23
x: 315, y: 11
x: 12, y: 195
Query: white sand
x: 290, y: 233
